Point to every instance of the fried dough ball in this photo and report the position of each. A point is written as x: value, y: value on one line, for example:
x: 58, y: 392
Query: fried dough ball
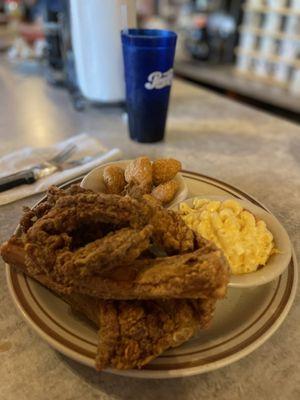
x: 114, y: 179
x: 134, y: 190
x: 165, y: 192
x: 139, y: 172
x: 164, y: 170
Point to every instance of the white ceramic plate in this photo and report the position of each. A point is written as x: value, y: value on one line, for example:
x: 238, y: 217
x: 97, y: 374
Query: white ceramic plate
x: 94, y: 181
x: 242, y: 322
x: 277, y: 263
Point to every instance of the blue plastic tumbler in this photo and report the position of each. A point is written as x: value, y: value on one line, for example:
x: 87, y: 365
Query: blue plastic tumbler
x: 148, y: 63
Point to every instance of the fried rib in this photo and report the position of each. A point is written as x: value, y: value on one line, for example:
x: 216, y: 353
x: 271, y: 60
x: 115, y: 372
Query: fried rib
x: 71, y: 210
x: 193, y: 275
x: 56, y: 226
x: 170, y: 232
x: 134, y: 333
x: 53, y: 254
x: 53, y: 232
x: 81, y: 244
x: 64, y: 212
x: 115, y: 249
x: 30, y: 216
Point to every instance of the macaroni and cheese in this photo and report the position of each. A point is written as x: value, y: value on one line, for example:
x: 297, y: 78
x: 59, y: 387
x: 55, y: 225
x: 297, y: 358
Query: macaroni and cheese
x: 246, y: 242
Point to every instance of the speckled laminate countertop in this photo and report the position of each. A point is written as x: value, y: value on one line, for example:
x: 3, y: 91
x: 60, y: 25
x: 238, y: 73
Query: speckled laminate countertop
x: 210, y: 134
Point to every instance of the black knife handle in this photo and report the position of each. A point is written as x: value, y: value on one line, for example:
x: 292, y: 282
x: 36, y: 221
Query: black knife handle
x: 17, y: 179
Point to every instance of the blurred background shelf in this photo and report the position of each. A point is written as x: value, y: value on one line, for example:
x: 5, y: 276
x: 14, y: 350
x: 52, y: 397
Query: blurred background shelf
x: 268, y: 10
x: 226, y: 79
x: 269, y: 45
x: 259, y: 55
x: 273, y: 34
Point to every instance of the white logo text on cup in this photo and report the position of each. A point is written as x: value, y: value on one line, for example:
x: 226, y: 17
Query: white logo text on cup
x: 159, y: 80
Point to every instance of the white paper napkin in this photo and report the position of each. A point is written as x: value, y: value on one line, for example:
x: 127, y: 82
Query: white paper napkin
x: 27, y: 157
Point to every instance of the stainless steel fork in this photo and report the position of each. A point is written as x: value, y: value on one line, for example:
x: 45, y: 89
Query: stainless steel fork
x: 38, y: 171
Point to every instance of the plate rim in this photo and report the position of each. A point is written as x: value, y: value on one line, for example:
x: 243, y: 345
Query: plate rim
x: 180, y: 372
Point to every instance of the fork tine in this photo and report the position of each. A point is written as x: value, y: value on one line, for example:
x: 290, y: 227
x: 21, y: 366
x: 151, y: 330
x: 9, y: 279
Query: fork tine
x: 63, y: 155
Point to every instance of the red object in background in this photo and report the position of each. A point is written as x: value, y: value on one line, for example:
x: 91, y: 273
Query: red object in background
x: 31, y: 32
x: 28, y: 31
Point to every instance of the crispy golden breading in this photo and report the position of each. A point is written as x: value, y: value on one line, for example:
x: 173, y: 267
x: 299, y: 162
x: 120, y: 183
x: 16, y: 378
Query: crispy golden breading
x: 53, y: 195
x: 134, y: 190
x: 80, y: 212
x: 192, y: 275
x: 139, y: 171
x: 164, y: 170
x: 99, y: 257
x: 165, y: 192
x: 133, y: 333
x: 56, y: 232
x: 70, y: 211
x: 114, y: 179
x: 170, y: 232
x: 97, y: 252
